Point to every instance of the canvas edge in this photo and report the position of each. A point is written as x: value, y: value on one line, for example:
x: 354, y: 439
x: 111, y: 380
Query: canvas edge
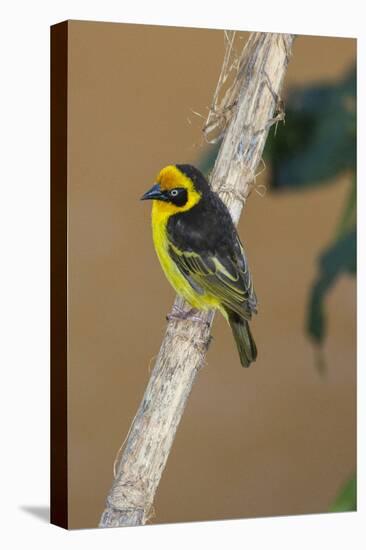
x: 58, y: 405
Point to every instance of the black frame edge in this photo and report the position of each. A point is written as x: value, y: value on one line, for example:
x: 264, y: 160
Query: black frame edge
x: 59, y: 86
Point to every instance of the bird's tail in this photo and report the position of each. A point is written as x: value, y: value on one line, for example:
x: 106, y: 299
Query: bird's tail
x: 243, y: 339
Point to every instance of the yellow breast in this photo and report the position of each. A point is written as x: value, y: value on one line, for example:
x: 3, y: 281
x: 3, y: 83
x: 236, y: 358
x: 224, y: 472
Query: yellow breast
x: 160, y: 218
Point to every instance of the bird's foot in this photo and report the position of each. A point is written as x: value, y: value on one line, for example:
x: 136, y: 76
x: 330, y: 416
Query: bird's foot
x: 181, y: 314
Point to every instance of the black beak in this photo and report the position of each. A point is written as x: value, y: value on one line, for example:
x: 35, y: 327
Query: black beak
x: 155, y: 193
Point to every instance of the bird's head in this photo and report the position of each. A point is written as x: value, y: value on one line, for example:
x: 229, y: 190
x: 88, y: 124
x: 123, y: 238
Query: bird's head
x: 177, y: 189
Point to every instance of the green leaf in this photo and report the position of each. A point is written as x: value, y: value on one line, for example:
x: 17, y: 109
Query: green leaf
x: 346, y: 500
x: 318, y: 140
x: 348, y: 216
x: 207, y: 160
x: 338, y: 259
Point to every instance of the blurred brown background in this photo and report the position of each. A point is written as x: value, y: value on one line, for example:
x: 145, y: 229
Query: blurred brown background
x: 272, y: 440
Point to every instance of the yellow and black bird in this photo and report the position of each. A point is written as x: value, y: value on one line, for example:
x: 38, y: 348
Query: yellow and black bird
x: 200, y: 251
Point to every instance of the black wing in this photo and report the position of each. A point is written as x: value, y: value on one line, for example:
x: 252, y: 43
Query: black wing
x: 204, y: 245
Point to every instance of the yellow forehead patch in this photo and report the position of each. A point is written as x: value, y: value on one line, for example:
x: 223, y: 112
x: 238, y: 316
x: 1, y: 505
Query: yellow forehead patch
x: 170, y: 177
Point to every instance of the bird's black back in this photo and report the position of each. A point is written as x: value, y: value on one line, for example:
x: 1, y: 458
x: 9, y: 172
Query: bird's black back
x: 207, y: 229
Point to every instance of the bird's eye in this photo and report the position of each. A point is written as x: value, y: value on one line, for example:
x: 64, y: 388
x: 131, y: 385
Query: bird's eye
x: 178, y: 196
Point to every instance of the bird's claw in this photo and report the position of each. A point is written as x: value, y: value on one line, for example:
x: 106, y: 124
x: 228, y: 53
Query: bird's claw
x: 181, y: 314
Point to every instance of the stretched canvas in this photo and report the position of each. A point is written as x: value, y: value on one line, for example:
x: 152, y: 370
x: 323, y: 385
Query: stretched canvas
x: 214, y: 440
